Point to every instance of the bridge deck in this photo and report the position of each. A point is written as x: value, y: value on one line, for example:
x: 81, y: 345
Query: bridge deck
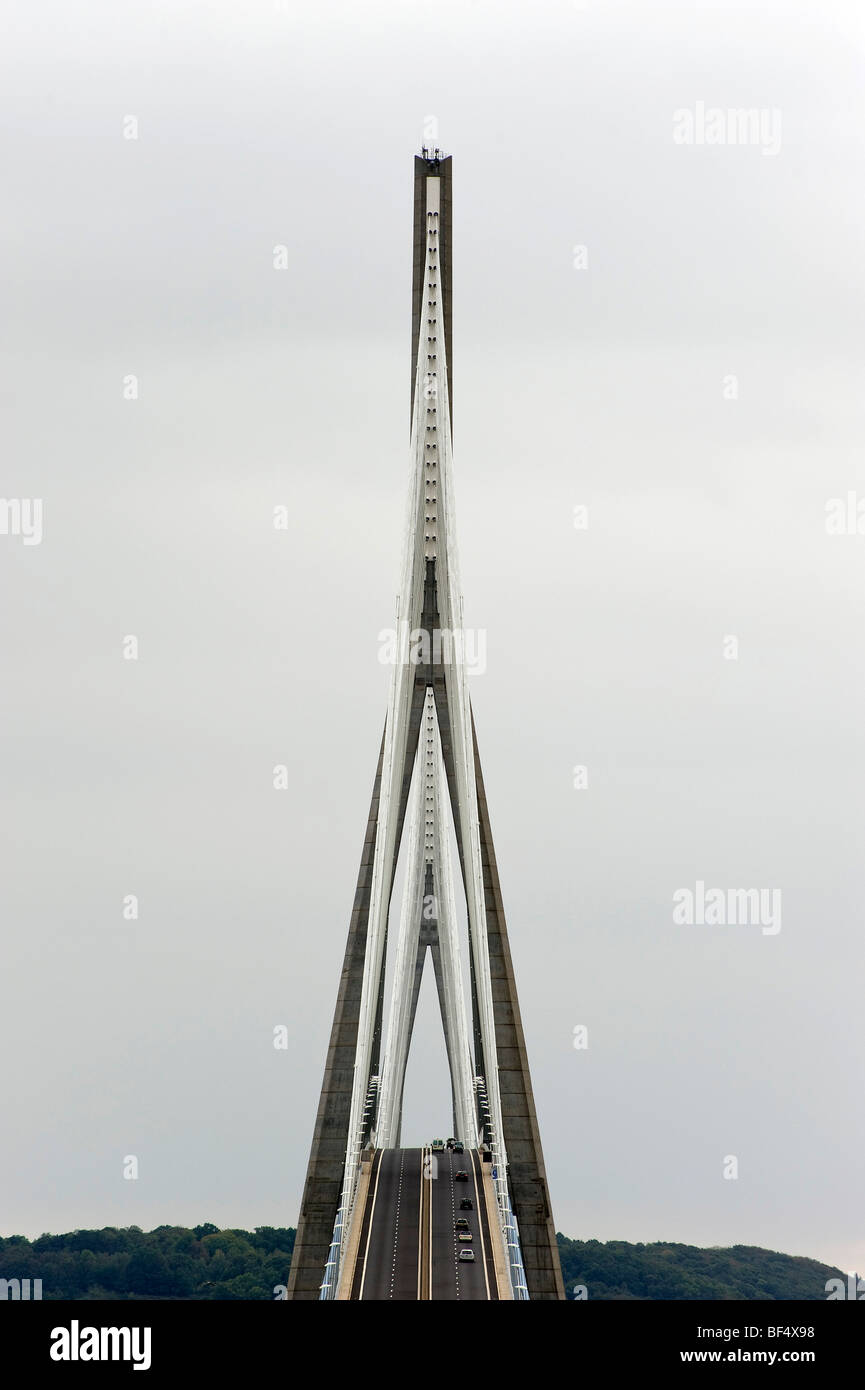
x: 408, y: 1247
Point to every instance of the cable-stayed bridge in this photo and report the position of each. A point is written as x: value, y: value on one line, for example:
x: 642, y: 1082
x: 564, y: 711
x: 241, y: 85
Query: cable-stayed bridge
x: 378, y: 1221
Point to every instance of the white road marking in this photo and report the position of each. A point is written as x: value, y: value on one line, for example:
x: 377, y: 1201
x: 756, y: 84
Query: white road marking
x: 369, y: 1231
x: 396, y: 1223
x: 480, y: 1196
x: 454, y: 1219
x: 419, y: 1230
x: 432, y: 1189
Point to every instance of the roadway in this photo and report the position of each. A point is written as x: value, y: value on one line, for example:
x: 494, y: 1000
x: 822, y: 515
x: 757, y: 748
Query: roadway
x: 409, y: 1248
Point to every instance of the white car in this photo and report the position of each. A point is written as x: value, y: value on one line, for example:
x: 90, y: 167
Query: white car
x: 467, y: 1254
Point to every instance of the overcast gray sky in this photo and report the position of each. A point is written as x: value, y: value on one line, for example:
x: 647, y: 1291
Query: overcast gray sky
x: 695, y: 382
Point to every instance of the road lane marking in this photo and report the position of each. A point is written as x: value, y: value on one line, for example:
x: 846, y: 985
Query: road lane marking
x: 369, y: 1232
x: 454, y: 1225
x: 433, y: 1171
x: 396, y: 1222
x: 420, y: 1210
x: 480, y: 1222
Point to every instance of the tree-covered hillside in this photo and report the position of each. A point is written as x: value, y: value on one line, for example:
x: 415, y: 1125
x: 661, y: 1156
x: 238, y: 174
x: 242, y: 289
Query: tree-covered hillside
x: 170, y: 1262
x: 618, y: 1270
x: 202, y: 1263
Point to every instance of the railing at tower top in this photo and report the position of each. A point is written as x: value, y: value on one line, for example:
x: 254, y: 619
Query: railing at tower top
x: 510, y: 1231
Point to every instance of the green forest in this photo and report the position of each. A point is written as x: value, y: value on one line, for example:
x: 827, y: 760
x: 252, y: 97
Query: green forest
x: 618, y: 1270
x: 170, y: 1262
x: 204, y: 1262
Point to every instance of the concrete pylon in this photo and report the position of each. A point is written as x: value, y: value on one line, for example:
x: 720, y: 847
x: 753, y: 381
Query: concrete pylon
x: 324, y: 1174
x: 431, y: 679
x: 527, y: 1177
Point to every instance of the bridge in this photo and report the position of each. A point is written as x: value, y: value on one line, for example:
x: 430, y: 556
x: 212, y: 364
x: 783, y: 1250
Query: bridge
x: 379, y: 1221
x: 407, y: 1242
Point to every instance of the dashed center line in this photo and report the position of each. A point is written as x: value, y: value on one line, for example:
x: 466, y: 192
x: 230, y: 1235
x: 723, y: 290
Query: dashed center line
x: 454, y: 1222
x: 396, y: 1222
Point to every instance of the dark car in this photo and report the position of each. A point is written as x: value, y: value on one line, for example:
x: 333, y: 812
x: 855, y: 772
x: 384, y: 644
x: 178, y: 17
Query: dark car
x: 466, y: 1204
x: 461, y: 1176
x: 458, y: 1147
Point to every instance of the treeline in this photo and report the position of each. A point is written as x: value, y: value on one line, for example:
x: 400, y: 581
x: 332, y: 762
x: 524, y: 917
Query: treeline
x: 615, y: 1269
x: 170, y: 1262
x: 205, y: 1262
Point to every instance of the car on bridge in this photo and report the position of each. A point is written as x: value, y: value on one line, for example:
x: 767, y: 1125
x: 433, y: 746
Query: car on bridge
x: 461, y: 1176
x: 462, y: 1224
x: 438, y: 1146
x: 467, y: 1254
x: 451, y: 1143
x: 465, y: 1236
x: 466, y: 1204
x: 458, y: 1146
